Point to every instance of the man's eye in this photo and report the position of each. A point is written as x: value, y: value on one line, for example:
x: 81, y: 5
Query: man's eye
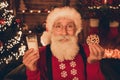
x: 58, y: 26
x: 70, y: 26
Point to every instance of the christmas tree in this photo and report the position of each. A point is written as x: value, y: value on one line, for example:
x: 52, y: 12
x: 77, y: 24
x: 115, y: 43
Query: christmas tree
x: 12, y: 44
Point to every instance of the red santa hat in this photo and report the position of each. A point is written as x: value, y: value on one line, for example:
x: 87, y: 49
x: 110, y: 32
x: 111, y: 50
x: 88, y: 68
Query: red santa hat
x: 57, y: 13
x: 64, y: 12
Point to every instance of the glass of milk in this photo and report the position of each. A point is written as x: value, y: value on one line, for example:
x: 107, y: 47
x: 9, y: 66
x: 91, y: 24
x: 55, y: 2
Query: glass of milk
x: 32, y: 41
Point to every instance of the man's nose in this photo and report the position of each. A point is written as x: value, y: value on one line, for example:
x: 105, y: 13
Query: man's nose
x: 64, y: 31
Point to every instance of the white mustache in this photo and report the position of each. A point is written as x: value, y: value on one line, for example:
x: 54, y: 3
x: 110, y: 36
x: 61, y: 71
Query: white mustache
x: 63, y: 38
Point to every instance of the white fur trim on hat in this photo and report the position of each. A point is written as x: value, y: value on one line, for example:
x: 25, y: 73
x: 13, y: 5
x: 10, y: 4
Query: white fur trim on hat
x: 64, y: 12
x: 45, y: 38
x: 114, y: 24
x: 94, y: 22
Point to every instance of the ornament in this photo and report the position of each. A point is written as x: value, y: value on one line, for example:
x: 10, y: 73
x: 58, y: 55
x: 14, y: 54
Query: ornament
x: 18, y: 20
x: 1, y: 45
x: 2, y: 22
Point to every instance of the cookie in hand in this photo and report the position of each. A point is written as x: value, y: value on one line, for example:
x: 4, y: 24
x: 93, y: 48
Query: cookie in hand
x: 93, y: 39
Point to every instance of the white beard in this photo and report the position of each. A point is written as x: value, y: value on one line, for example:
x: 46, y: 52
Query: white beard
x: 64, y: 50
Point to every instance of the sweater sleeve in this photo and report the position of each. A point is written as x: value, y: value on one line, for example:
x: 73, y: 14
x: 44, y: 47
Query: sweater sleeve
x: 33, y: 75
x: 93, y: 70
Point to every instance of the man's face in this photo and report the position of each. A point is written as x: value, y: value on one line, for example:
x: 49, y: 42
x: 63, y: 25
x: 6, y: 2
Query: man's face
x: 64, y: 27
x: 63, y: 36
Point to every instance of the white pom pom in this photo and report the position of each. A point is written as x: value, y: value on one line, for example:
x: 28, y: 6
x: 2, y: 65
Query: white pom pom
x: 45, y: 38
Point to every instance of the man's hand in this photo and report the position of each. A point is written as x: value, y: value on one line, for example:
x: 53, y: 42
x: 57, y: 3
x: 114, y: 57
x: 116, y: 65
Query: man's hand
x: 96, y: 53
x: 30, y: 59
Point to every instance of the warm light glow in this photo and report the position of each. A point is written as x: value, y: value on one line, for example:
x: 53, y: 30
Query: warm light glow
x: 112, y: 53
x: 105, y: 1
x: 30, y: 31
x: 23, y: 11
x: 39, y: 11
x: 48, y: 11
x: 31, y: 11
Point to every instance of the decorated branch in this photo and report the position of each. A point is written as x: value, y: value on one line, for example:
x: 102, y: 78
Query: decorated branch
x: 12, y: 45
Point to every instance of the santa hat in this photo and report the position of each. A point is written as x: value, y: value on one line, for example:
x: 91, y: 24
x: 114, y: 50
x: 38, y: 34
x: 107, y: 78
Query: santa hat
x: 64, y: 12
x: 57, y: 13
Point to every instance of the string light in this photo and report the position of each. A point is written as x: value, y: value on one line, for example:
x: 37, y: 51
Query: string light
x: 36, y: 11
x: 48, y: 11
x: 98, y: 7
x: 31, y: 11
x: 23, y: 11
x: 39, y: 11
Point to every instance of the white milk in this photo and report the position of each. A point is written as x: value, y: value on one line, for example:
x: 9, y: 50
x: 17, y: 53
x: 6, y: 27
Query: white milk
x: 32, y: 41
